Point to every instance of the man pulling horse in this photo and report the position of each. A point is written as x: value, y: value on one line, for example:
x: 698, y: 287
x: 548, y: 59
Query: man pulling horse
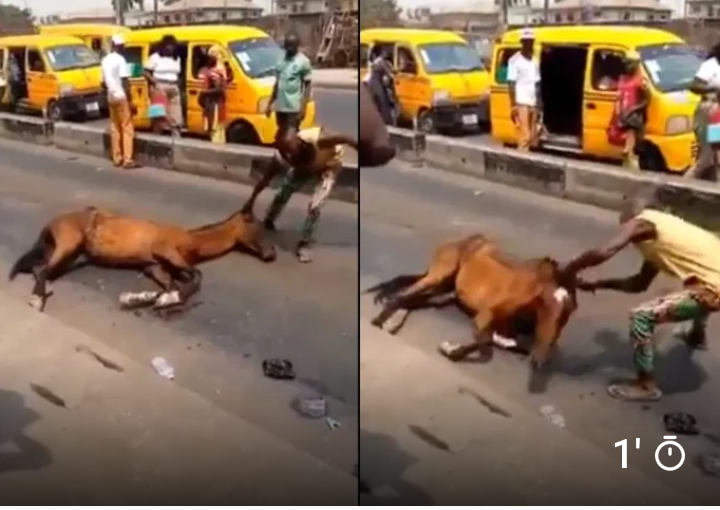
x: 316, y: 154
x: 675, y: 247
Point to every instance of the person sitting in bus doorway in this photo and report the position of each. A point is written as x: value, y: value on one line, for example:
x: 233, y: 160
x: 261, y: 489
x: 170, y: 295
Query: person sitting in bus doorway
x: 631, y: 108
x: 291, y: 95
x: 524, y: 85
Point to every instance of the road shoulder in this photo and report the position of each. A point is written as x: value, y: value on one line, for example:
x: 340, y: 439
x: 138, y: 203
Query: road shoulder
x: 126, y: 436
x: 432, y: 436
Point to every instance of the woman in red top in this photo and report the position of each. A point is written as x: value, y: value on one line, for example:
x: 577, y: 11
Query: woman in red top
x: 212, y: 98
x: 630, y: 109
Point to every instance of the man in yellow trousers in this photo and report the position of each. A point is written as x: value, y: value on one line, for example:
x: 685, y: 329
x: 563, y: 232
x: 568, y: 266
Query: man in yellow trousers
x: 116, y: 80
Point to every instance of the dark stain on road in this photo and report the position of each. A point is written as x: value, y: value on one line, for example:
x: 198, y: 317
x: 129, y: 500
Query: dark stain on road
x: 495, y: 409
x: 48, y: 395
x: 429, y: 438
x: 105, y: 362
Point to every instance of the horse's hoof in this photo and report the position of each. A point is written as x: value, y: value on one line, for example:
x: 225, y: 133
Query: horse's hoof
x: 36, y: 302
x: 128, y: 299
x: 168, y: 299
x: 377, y: 323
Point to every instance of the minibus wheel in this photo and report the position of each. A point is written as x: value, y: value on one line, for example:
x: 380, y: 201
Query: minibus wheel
x: 425, y: 122
x: 651, y: 158
x: 54, y: 112
x: 242, y: 133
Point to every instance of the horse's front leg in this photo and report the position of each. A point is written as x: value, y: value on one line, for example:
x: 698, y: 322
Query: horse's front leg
x: 183, y: 292
x: 147, y: 297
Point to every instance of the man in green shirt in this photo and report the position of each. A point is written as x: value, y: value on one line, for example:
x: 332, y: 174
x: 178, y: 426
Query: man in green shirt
x: 290, y: 95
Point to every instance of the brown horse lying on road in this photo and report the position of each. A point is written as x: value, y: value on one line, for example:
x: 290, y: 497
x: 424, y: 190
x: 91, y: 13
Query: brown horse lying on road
x: 495, y: 290
x: 165, y: 253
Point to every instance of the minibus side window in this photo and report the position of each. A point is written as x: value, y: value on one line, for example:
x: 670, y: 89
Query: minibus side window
x: 501, y: 68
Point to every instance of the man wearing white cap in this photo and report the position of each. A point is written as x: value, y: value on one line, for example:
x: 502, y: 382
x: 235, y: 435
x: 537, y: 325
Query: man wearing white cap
x: 524, y: 83
x: 116, y: 80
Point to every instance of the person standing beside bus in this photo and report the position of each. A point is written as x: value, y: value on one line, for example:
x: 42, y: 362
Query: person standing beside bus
x: 524, y: 84
x: 116, y: 81
x: 291, y: 95
x: 706, y: 85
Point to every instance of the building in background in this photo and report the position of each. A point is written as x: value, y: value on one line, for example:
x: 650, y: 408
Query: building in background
x: 314, y: 6
x: 702, y: 9
x: 570, y: 12
x: 99, y: 15
x: 197, y: 12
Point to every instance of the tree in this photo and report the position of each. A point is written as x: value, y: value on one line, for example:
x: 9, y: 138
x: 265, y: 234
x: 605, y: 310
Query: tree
x: 13, y: 19
x: 122, y: 6
x: 375, y: 13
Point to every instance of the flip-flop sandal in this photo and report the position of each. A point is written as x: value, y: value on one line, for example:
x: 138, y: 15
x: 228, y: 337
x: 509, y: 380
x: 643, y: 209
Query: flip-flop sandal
x: 303, y: 256
x: 278, y: 369
x: 447, y: 349
x: 630, y: 393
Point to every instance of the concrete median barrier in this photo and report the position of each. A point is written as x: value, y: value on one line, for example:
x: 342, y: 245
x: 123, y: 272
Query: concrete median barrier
x: 238, y: 163
x: 576, y: 180
x: 28, y: 129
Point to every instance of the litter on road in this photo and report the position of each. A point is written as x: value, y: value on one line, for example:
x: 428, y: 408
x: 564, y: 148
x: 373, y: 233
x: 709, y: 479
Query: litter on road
x: 311, y: 407
x: 681, y: 423
x: 553, y: 416
x: 163, y: 367
x: 278, y: 369
x: 332, y: 423
x: 710, y: 464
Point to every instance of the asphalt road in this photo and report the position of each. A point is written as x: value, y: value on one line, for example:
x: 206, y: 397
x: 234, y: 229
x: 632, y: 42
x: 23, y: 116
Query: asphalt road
x: 337, y: 109
x: 248, y: 312
x: 406, y: 212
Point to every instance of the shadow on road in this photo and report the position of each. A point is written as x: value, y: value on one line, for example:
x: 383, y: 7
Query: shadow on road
x: 18, y: 452
x: 382, y: 465
x: 677, y: 371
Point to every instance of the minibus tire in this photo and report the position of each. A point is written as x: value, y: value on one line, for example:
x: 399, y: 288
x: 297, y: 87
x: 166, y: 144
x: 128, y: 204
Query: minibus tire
x: 241, y: 132
x: 54, y: 113
x: 651, y: 158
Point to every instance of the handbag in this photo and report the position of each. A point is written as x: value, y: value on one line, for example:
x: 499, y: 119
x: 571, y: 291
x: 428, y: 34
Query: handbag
x: 158, y: 106
x: 712, y: 134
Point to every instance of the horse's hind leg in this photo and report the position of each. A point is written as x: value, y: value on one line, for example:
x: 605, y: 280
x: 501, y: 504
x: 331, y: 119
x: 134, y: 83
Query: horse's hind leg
x: 66, y: 248
x: 179, y: 268
x: 408, y: 296
x: 482, y: 341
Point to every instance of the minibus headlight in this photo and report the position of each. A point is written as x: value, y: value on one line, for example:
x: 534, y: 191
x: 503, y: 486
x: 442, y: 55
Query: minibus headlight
x: 678, y: 124
x: 66, y: 89
x: 440, y: 96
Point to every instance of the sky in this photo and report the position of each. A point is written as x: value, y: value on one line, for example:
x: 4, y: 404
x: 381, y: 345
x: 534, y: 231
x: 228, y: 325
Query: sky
x: 45, y: 7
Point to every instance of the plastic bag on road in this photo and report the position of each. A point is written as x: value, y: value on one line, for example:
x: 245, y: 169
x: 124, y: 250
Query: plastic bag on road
x: 311, y: 407
x: 553, y: 416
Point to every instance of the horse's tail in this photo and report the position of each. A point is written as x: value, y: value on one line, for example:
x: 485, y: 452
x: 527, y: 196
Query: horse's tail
x: 33, y: 256
x: 385, y: 289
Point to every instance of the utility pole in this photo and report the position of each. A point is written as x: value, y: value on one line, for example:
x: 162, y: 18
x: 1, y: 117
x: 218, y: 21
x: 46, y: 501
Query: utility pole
x: 546, y: 11
x: 119, y: 15
x: 156, y: 7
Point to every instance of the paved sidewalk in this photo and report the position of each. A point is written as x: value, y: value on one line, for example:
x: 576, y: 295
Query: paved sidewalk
x: 130, y: 437
x: 430, y: 435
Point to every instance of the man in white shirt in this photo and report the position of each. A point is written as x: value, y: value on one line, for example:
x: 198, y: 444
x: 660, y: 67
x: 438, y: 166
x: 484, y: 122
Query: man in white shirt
x: 524, y: 82
x: 116, y: 80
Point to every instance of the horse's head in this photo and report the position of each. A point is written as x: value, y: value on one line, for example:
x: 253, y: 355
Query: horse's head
x: 251, y: 234
x: 562, y: 284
